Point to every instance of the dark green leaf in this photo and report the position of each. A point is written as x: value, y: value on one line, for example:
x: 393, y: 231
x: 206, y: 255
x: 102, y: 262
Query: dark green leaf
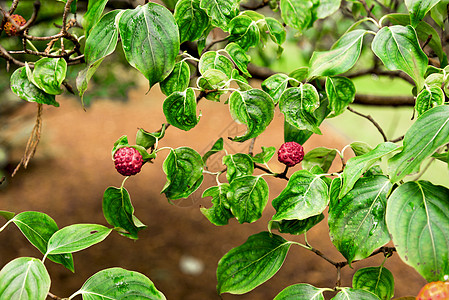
x: 26, y: 90
x: 300, y: 291
x: 49, y: 73
x: 119, y: 212
x: 38, y: 228
x: 298, y: 106
x: 148, y: 139
x: 212, y: 60
x: 239, y: 57
x: 418, y: 220
x: 238, y: 165
x: 305, y: 195
x: 247, y: 266
x: 247, y: 198
x: 213, y: 79
x: 117, y: 283
x: 356, y: 166
x: 275, y: 86
x: 221, y: 12
x: 418, y: 9
x: 76, y: 237
x: 293, y: 134
x: 191, y: 19
x: 178, y: 80
x: 398, y: 48
x: 244, y: 32
x: 150, y: 40
x: 264, y: 156
x: 342, y: 56
x: 357, y: 221
x: 296, y: 227
x: 354, y: 294
x: 255, y: 108
x: 377, y: 280
x: 241, y: 81
x: 120, y: 143
x: 180, y: 109
x: 296, y: 13
x: 429, y: 97
x: 276, y: 30
x: 299, y: 75
x: 320, y: 156
x: 426, y: 135
x: 184, y: 169
x: 340, y: 92
x: 216, y: 147
x: 92, y: 15
x: 219, y: 214
x: 7, y: 214
x: 24, y: 278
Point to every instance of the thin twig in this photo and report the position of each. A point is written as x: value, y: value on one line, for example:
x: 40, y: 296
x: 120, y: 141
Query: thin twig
x: 369, y: 118
x: 213, y: 43
x: 431, y: 160
x: 251, y: 146
x: 53, y: 296
x: 398, y: 139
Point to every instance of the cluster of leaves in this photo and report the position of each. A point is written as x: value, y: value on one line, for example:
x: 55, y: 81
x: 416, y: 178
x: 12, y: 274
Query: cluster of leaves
x: 368, y: 204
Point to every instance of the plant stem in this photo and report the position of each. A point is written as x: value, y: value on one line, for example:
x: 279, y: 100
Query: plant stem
x: 369, y: 118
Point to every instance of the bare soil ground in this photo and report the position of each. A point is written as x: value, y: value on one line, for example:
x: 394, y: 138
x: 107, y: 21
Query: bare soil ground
x: 73, y: 167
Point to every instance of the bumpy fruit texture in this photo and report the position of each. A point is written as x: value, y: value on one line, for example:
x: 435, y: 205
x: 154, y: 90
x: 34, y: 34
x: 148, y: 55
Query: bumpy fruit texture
x: 437, y: 290
x: 290, y: 153
x: 10, y: 29
x: 128, y: 161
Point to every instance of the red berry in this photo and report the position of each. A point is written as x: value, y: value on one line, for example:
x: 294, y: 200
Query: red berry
x: 10, y: 29
x: 128, y: 161
x: 290, y: 153
x: 437, y: 290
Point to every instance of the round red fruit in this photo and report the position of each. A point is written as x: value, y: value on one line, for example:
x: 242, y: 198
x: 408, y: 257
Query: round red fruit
x: 128, y: 161
x: 10, y: 29
x: 438, y: 290
x: 290, y: 153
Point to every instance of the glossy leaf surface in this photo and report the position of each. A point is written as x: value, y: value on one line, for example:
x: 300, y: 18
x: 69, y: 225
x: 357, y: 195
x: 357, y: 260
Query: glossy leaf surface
x: 238, y: 165
x: 320, y: 156
x: 377, y: 280
x: 180, y: 109
x: 341, y: 92
x: 191, y: 19
x: 178, y: 80
x: 49, y: 73
x: 221, y: 12
x: 219, y: 214
x: 300, y: 291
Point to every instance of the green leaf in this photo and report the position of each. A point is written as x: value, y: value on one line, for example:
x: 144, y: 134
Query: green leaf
x: 320, y: 156
x: 305, y: 195
x: 178, y: 80
x: 298, y: 106
x: 249, y: 265
x: 296, y: 13
x: 327, y: 8
x: 276, y: 30
x: 191, y: 19
x: 238, y: 165
x: 429, y: 97
x: 423, y: 30
x: 213, y: 79
x: 24, y: 278
x: 148, y: 139
x: 119, y: 212
x: 255, y: 108
x: 275, y: 86
x: 244, y: 32
x: 299, y: 75
x: 300, y: 291
x: 216, y: 147
x: 418, y: 220
x: 7, y: 214
x: 354, y: 294
x: 38, y: 228
x: 241, y: 81
x: 76, y: 237
x: 150, y: 40
x: 239, y: 57
x: 180, y: 109
x: 360, y: 148
x: 26, y: 90
x: 264, y: 156
x: 101, y: 43
x: 212, y: 60
x: 296, y: 227
x: 418, y: 9
x: 425, y: 136
x: 219, y: 214
x: 221, y: 12
x: 117, y: 283
x: 247, y: 198
x: 356, y: 166
x: 49, y: 73
x: 293, y: 134
x: 92, y: 15
x: 398, y: 48
x: 357, y: 221
x: 184, y: 169
x: 340, y: 92
x: 342, y: 56
x: 377, y: 280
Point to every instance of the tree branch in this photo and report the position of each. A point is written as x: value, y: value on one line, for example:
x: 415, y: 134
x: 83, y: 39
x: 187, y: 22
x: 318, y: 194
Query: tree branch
x: 369, y: 118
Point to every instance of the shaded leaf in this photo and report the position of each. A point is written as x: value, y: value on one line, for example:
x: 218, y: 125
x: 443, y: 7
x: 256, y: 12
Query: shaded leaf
x: 221, y: 12
x: 320, y: 156
x: 276, y: 30
x: 264, y: 156
x: 148, y: 139
x: 296, y: 13
x: 244, y: 32
x: 377, y: 280
x: 216, y: 147
x: 429, y: 97
x: 238, y: 165
x: 178, y: 80
x: 296, y: 227
x: 49, y: 73
x: 418, y: 9
x: 340, y: 92
x: 275, y: 86
x: 180, y: 109
x: 92, y: 15
x: 212, y: 60
x: 239, y: 57
x: 219, y: 214
x: 191, y: 19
